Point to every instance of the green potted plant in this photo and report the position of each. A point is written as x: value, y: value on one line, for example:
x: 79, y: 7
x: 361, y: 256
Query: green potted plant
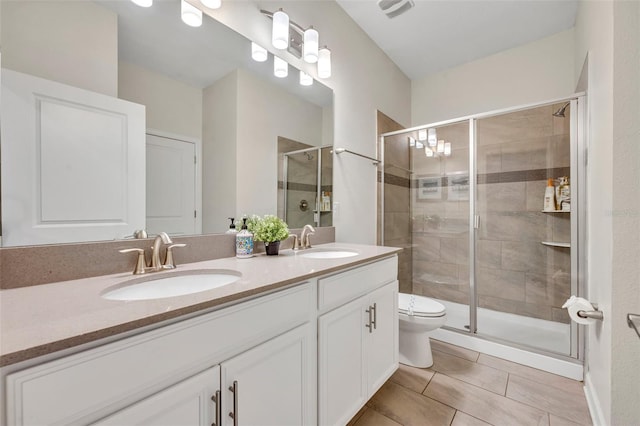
x: 270, y: 230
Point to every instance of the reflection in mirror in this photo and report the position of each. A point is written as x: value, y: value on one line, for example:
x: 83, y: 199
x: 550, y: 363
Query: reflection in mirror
x: 199, y: 94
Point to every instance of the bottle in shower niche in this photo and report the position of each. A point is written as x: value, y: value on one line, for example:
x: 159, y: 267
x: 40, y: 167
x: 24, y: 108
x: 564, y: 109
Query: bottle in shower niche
x: 564, y: 194
x: 244, y: 242
x: 550, y: 197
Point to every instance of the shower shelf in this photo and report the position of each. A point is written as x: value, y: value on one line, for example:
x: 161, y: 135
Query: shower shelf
x: 556, y: 244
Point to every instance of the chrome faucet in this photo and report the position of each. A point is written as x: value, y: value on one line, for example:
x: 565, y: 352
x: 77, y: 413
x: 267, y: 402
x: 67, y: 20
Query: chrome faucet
x: 307, y: 231
x: 161, y: 238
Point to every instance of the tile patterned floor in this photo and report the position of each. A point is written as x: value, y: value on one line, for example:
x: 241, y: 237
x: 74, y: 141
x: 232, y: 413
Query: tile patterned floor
x: 467, y: 388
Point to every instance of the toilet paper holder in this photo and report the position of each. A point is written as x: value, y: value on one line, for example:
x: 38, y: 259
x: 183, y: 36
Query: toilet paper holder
x: 592, y: 314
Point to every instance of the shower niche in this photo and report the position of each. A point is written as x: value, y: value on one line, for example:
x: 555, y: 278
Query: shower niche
x: 464, y: 198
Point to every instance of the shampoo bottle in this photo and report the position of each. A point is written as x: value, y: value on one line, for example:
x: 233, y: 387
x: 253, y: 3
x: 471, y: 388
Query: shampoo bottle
x: 550, y: 197
x: 244, y: 242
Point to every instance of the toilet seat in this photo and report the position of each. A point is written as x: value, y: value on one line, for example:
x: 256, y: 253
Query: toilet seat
x: 422, y: 306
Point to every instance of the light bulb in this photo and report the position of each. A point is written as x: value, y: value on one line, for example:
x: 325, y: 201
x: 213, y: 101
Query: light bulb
x: 310, y: 45
x: 280, y: 30
x: 191, y: 15
x: 258, y: 53
x: 324, y: 63
x: 280, y: 67
x: 422, y: 134
x: 428, y: 152
x: 143, y: 3
x: 305, y: 79
x: 211, y: 4
x: 433, y: 138
x: 440, y: 146
x: 447, y: 149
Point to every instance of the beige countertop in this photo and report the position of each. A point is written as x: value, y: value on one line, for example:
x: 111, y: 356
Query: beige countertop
x: 46, y: 318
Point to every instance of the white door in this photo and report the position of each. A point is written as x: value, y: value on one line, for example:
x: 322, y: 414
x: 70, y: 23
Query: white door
x: 171, y: 186
x: 272, y: 383
x: 77, y: 163
x: 342, y: 382
x: 188, y: 403
x: 382, y: 350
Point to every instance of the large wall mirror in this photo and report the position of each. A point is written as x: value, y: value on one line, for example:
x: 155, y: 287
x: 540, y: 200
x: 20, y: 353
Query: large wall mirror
x: 215, y: 125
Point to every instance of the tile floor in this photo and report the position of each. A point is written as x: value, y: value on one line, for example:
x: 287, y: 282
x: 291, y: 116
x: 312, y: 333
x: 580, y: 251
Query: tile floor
x: 467, y: 388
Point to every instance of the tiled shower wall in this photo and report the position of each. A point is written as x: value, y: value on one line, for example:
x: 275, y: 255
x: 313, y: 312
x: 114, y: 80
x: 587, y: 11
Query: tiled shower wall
x: 515, y: 273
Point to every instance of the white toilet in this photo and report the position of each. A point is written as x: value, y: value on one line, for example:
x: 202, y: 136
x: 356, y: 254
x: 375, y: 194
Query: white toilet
x: 419, y: 316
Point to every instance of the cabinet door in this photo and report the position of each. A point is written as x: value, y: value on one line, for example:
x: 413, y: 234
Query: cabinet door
x: 341, y: 379
x: 382, y: 347
x: 186, y: 403
x: 271, y: 384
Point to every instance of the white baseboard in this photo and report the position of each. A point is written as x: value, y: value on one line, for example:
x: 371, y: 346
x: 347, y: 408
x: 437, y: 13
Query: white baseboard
x: 571, y: 370
x: 595, y: 409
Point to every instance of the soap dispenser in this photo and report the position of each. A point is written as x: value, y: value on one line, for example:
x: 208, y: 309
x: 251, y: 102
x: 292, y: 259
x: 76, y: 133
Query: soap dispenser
x: 232, y: 228
x: 244, y: 242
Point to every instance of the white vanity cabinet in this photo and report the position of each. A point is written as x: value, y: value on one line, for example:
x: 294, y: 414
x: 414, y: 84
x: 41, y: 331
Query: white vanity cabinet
x: 169, y: 375
x: 357, y: 338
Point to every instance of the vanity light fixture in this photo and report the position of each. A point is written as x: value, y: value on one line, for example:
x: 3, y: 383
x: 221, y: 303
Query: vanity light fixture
x: 440, y: 147
x: 258, y: 53
x: 143, y: 3
x: 305, y: 79
x: 428, y: 152
x: 422, y: 134
x: 310, y: 45
x: 280, y: 30
x: 280, y: 67
x: 432, y: 138
x: 190, y: 14
x: 211, y: 4
x: 324, y: 63
x: 447, y: 149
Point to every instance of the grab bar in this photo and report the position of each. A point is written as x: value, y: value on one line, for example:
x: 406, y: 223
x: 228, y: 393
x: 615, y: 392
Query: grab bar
x: 633, y: 320
x: 341, y: 150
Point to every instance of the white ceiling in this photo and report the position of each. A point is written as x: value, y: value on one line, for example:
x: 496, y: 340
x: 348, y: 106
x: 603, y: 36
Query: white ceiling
x: 438, y: 34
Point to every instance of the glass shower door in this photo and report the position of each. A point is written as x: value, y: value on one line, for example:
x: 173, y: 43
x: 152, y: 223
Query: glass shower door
x: 301, y: 187
x: 523, y: 254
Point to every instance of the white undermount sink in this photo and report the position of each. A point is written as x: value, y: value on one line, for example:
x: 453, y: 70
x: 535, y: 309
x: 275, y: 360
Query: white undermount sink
x: 161, y: 285
x: 327, y: 253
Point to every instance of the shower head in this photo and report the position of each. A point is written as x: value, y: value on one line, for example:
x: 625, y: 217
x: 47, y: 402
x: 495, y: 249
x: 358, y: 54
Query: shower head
x: 560, y: 111
x: 309, y: 156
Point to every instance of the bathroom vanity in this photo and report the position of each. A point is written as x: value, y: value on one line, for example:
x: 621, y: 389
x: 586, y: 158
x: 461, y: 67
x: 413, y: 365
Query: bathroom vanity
x: 295, y: 341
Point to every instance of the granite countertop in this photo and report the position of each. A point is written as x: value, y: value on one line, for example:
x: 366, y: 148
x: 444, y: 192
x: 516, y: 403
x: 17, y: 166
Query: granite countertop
x: 46, y: 318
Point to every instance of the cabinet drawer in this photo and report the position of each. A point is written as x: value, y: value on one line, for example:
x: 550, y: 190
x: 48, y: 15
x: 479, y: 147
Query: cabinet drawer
x: 345, y: 286
x: 83, y: 387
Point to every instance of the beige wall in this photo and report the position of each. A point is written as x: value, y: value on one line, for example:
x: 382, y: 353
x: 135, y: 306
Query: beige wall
x: 364, y: 80
x: 83, y: 54
x: 171, y: 105
x: 537, y: 71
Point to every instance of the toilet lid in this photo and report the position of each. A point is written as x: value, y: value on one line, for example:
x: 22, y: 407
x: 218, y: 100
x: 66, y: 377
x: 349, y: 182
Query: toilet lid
x: 422, y: 306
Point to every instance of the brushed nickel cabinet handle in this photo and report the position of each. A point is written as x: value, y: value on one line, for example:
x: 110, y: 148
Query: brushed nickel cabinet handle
x: 375, y: 315
x: 216, y: 398
x: 370, y: 325
x: 234, y: 414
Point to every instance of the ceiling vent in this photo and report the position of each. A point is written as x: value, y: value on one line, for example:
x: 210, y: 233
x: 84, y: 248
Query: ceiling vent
x: 393, y: 8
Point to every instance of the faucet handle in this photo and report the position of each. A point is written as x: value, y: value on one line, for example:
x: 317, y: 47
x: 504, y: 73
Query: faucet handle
x: 296, y: 245
x: 141, y: 263
x: 169, y: 263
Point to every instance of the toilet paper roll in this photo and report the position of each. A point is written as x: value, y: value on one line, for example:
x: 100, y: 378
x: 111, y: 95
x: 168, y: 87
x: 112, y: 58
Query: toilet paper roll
x: 575, y: 304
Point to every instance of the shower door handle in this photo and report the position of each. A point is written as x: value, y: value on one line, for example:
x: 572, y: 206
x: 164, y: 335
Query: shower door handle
x: 476, y: 222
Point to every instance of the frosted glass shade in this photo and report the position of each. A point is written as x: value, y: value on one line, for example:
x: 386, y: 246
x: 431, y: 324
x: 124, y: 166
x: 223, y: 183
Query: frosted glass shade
x: 143, y: 3
x: 412, y: 141
x: 440, y: 147
x: 280, y: 67
x: 447, y: 148
x: 280, y: 30
x: 310, y: 45
x: 258, y: 53
x: 422, y: 134
x: 305, y: 79
x: 432, y: 138
x: 324, y: 63
x: 211, y: 4
x: 190, y: 14
x: 428, y: 152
